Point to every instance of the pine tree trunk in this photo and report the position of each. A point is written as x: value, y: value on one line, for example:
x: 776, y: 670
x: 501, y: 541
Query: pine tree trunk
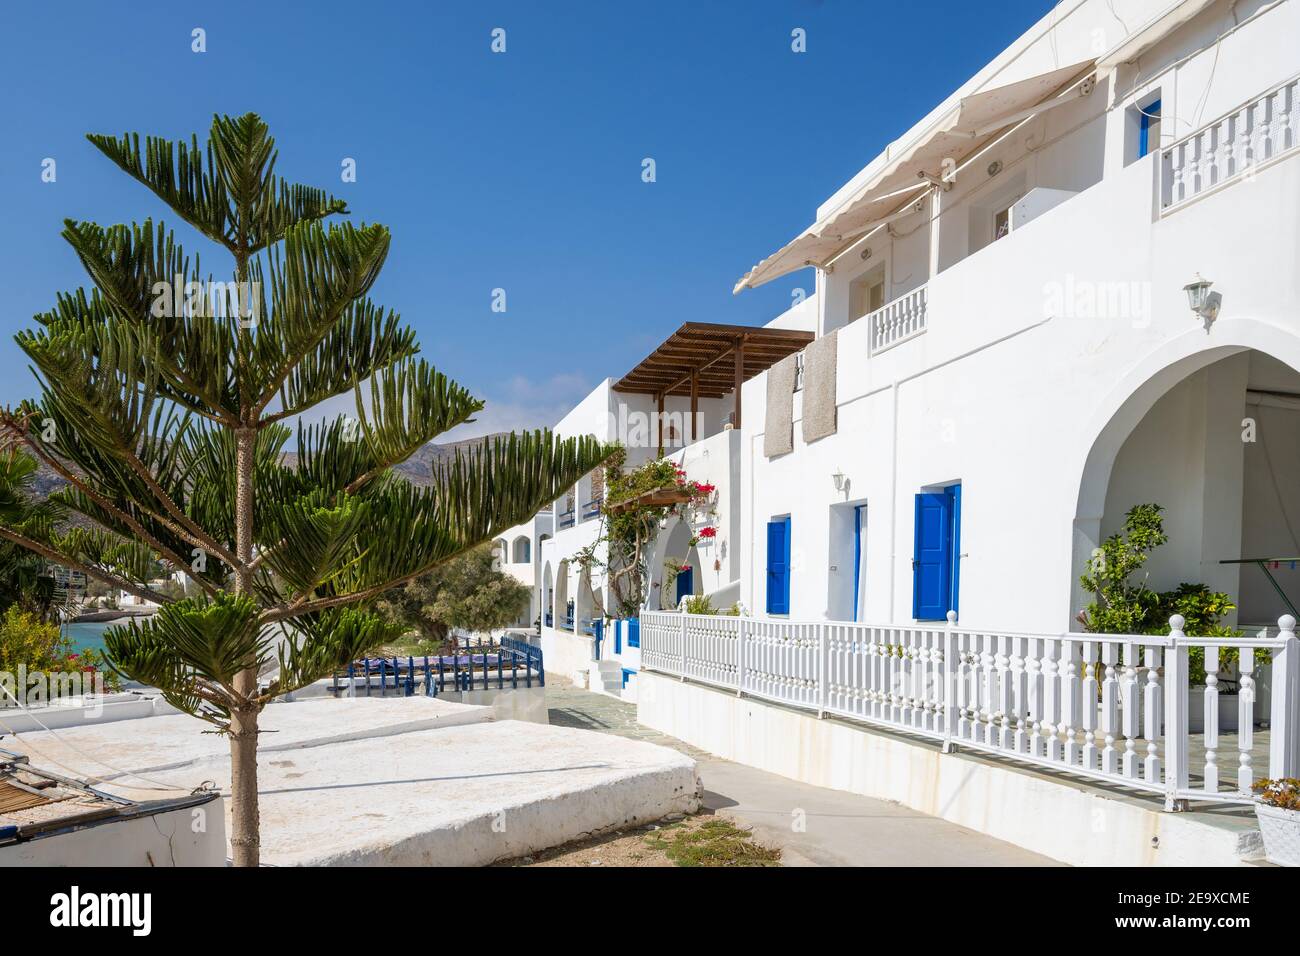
x: 245, y: 831
x: 245, y: 839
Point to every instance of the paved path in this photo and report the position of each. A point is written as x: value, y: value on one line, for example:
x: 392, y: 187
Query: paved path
x: 811, y: 825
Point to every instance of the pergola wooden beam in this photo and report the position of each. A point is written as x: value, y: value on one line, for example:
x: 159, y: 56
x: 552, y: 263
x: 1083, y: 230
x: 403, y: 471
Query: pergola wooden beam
x: 705, y: 360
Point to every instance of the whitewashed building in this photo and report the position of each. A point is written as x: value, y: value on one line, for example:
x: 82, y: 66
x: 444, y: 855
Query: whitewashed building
x: 681, y: 403
x: 1069, y: 289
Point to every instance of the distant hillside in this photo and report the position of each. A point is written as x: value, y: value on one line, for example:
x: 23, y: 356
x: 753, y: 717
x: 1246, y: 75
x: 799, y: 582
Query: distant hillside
x: 418, y: 469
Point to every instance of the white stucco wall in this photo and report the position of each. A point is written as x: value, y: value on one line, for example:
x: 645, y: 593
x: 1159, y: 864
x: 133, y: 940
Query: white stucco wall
x: 1015, y: 381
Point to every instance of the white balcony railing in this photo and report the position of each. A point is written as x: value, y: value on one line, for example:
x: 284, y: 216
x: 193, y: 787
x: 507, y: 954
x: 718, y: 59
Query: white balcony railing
x: 1232, y: 146
x: 1109, y: 707
x: 897, y: 321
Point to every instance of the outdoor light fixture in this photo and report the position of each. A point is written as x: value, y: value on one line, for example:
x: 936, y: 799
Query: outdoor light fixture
x: 1201, y: 300
x: 838, y: 478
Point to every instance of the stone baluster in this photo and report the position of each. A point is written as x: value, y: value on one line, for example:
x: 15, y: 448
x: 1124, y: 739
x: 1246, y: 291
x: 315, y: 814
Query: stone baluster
x: 1154, y: 715
x: 988, y: 690
x: 1070, y: 699
x: 962, y: 665
x: 1034, y: 696
x: 1246, y: 719
x: 1088, y: 715
x: 1019, y: 692
x: 1051, y: 701
x: 1129, y: 705
x: 1210, y: 705
x: 1003, y: 663
x: 1110, y: 707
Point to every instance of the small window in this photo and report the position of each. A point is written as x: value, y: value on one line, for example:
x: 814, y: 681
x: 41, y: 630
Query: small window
x: 1148, y: 128
x: 867, y: 293
x: 1001, y: 223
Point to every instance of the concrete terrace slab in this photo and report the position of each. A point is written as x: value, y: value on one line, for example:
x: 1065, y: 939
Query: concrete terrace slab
x: 457, y: 796
x: 174, y: 740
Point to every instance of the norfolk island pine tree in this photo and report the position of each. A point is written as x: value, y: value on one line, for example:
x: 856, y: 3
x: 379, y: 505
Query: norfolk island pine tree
x: 170, y: 425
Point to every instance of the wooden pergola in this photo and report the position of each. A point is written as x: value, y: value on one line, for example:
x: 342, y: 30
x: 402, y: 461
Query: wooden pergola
x: 706, y: 360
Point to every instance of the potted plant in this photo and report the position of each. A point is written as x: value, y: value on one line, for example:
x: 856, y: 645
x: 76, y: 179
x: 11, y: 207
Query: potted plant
x: 1277, y: 808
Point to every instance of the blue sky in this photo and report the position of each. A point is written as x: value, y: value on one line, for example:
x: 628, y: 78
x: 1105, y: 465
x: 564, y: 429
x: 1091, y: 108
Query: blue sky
x: 519, y: 171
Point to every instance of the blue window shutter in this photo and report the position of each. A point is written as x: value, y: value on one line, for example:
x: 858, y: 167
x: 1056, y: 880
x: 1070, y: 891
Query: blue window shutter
x: 932, y: 560
x: 1149, y: 112
x: 955, y: 589
x: 778, y: 566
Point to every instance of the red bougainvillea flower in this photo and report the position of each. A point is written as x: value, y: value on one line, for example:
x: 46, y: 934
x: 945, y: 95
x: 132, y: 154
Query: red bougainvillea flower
x: 708, y: 532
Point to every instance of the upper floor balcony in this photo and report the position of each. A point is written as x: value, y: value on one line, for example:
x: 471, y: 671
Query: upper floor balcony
x: 1143, y: 196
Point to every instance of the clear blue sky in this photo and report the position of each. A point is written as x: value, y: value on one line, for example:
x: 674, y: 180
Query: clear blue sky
x: 519, y: 170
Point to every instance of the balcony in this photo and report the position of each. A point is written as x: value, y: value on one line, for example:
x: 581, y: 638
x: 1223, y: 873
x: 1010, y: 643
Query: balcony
x: 591, y: 509
x: 566, y: 519
x: 1232, y: 147
x: 897, y: 321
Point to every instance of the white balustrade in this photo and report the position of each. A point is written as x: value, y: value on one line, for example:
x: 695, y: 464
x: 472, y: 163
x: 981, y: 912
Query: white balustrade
x: 897, y: 321
x: 1231, y: 147
x: 1108, y: 707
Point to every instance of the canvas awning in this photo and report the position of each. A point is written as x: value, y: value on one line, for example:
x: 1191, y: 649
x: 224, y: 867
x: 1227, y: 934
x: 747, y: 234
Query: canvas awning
x: 896, y: 188
x: 1151, y: 33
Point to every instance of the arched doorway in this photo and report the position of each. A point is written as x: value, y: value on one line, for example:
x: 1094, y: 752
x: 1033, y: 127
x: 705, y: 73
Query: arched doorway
x: 1214, y: 438
x: 547, y: 604
x: 674, y: 548
x: 562, y: 607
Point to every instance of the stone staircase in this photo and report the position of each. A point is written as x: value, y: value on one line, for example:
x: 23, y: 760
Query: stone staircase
x: 606, y: 676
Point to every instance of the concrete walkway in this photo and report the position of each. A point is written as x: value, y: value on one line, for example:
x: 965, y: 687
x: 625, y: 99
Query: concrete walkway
x: 812, y: 826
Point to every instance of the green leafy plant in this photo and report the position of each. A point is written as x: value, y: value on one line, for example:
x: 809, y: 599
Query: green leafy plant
x: 1123, y: 605
x: 628, y: 533
x: 700, y: 604
x: 37, y: 645
x: 167, y: 411
x: 467, y: 592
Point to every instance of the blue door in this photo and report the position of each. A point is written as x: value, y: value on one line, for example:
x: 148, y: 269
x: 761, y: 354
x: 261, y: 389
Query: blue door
x: 778, y: 566
x: 932, y: 561
x: 685, y: 583
x: 859, y: 524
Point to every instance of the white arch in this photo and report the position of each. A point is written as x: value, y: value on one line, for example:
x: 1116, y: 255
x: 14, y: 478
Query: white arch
x: 521, y: 550
x: 1127, y: 403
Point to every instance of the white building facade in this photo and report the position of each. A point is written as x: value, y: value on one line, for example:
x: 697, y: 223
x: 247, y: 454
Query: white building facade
x: 1070, y: 289
x: 1016, y: 361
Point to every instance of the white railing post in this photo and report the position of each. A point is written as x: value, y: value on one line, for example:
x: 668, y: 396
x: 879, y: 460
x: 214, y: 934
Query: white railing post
x: 1176, y: 703
x: 822, y: 655
x: 740, y: 655
x: 681, y: 650
x: 1284, y: 721
x: 950, y: 665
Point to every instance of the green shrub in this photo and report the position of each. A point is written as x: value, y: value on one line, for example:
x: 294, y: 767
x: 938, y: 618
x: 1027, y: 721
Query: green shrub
x: 39, y: 647
x: 1121, y: 606
x: 700, y: 604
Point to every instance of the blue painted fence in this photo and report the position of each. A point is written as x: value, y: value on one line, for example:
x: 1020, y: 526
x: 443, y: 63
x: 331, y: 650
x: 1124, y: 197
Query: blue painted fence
x: 509, y: 662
